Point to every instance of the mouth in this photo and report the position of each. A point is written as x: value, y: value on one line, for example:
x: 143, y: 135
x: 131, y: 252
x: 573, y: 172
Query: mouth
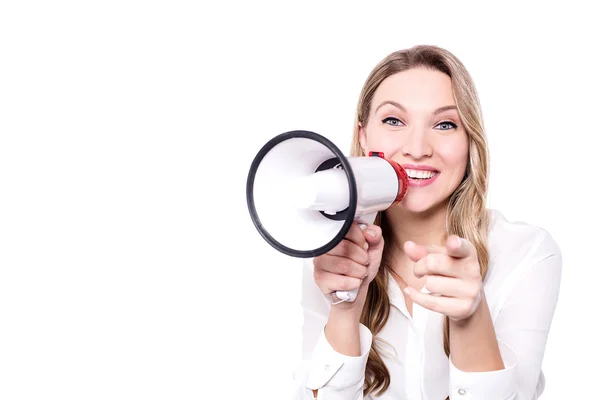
x: 419, y: 176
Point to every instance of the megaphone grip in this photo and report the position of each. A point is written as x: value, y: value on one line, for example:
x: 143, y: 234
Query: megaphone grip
x: 348, y: 295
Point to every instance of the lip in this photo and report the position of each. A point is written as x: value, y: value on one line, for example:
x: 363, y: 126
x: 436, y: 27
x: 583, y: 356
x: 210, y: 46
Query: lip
x: 422, y: 182
x: 419, y: 167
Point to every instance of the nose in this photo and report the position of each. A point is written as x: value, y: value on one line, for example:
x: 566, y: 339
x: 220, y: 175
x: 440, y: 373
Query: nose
x: 416, y: 144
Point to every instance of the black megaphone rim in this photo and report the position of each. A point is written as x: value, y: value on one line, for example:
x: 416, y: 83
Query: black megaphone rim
x: 352, y: 190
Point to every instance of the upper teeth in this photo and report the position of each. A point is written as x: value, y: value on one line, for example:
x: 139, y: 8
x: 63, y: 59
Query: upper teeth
x: 419, y: 174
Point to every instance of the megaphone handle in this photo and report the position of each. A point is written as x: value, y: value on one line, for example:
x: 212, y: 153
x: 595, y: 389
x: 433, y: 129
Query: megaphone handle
x: 345, y: 295
x: 350, y: 295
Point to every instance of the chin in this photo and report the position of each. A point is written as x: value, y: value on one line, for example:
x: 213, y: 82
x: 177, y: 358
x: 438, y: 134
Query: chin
x: 422, y: 205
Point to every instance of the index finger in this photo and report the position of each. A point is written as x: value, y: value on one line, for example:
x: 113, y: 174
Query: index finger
x: 416, y: 251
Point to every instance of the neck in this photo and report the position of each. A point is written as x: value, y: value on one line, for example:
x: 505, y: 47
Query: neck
x: 427, y: 228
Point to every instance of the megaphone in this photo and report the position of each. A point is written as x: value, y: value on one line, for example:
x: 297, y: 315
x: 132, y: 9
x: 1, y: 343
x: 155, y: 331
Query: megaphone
x: 303, y: 194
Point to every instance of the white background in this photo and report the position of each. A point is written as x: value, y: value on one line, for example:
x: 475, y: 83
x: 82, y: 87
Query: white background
x: 129, y: 266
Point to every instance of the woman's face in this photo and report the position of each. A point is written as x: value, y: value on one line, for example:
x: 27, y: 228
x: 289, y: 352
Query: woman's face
x: 413, y: 120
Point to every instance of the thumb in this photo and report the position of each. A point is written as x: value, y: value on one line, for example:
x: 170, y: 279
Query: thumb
x: 459, y: 248
x: 374, y: 237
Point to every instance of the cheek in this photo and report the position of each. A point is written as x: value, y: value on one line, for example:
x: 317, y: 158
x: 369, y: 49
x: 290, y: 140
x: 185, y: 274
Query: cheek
x: 455, y: 157
x: 378, y: 141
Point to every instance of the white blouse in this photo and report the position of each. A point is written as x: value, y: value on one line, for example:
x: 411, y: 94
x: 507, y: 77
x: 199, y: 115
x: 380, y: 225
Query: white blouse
x: 521, y: 288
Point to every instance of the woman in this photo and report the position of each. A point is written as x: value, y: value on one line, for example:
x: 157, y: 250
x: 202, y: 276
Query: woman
x: 455, y: 301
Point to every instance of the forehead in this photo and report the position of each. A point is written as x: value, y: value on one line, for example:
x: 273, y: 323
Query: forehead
x: 418, y: 89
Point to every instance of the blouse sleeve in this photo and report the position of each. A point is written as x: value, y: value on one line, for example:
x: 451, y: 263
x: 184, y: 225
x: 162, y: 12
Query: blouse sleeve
x: 336, y: 376
x: 522, y: 326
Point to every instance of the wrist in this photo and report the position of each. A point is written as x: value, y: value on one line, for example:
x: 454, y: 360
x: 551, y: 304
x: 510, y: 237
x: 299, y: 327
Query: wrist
x: 349, y: 310
x: 477, y: 315
x: 346, y: 314
x: 473, y: 342
x: 343, y: 331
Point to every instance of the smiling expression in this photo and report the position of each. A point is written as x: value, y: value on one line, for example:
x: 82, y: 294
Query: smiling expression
x: 414, y: 121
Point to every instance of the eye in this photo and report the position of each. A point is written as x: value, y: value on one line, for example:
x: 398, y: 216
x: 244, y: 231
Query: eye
x: 392, y: 121
x: 447, y: 125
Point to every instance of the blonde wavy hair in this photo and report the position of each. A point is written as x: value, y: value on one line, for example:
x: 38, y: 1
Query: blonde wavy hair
x: 466, y: 214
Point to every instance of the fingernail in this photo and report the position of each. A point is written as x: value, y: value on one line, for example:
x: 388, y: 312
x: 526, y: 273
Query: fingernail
x: 366, y: 246
x: 370, y: 232
x: 406, y: 291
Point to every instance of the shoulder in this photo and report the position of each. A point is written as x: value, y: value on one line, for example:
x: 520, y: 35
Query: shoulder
x: 515, y: 246
x: 518, y: 238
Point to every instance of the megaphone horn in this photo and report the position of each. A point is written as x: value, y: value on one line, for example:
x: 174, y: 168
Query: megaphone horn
x: 303, y: 193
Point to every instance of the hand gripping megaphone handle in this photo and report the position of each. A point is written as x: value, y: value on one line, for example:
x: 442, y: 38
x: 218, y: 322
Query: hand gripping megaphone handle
x: 368, y: 219
x: 350, y: 295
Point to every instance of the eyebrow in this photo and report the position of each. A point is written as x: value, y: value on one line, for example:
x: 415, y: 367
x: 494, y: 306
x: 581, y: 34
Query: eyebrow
x: 401, y: 107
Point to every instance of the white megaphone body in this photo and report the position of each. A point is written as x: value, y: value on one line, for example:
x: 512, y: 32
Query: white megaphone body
x: 303, y: 194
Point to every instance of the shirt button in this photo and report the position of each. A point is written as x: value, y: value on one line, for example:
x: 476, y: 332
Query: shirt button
x: 462, y: 392
x: 326, y: 367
